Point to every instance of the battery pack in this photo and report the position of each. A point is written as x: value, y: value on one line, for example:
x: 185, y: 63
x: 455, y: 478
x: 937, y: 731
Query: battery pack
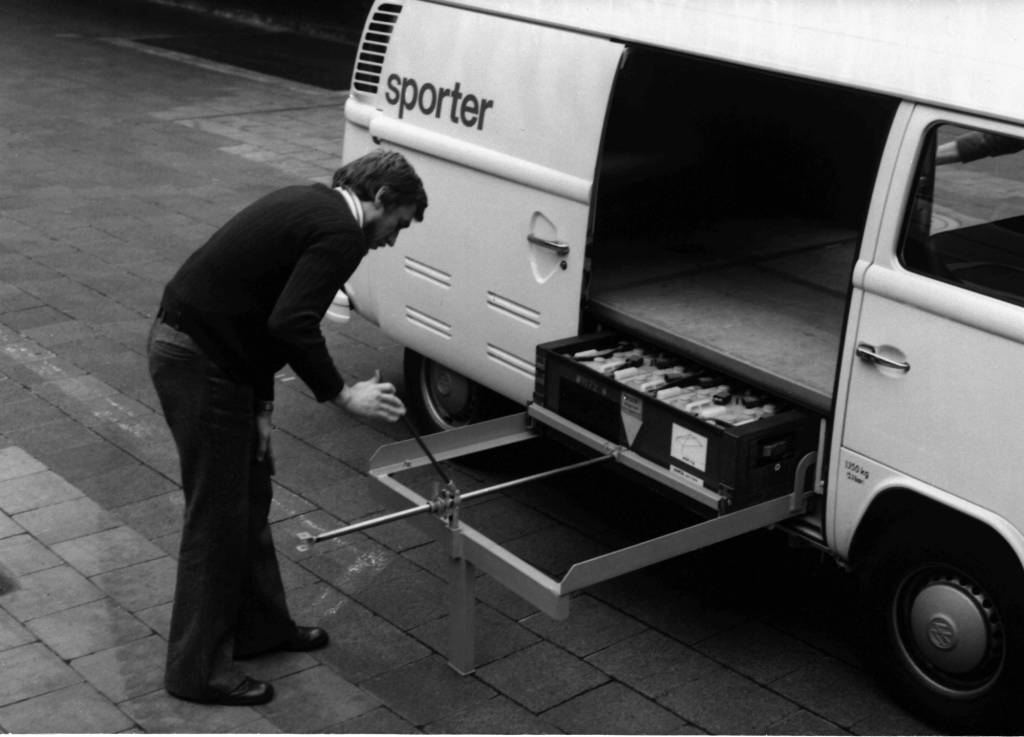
x: 729, y: 437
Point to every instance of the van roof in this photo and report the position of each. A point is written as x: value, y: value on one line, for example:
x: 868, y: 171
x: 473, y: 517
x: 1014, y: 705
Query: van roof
x: 962, y: 55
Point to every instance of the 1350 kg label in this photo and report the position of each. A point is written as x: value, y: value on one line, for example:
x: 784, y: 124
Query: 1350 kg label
x: 856, y: 472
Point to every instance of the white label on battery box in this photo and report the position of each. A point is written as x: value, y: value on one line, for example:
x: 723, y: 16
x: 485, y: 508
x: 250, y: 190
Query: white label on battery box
x: 683, y: 473
x: 689, y: 447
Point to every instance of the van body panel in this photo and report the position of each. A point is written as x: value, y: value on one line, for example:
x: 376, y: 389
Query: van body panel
x: 948, y: 421
x: 863, y: 481
x: 509, y: 187
x: 962, y: 56
x: 885, y: 181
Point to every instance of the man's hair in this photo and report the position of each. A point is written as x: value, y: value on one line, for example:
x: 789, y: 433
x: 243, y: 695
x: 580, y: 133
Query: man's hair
x: 388, y: 169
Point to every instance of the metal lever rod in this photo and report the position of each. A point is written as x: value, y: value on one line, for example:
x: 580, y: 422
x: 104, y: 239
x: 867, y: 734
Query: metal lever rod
x: 441, y: 503
x: 430, y: 456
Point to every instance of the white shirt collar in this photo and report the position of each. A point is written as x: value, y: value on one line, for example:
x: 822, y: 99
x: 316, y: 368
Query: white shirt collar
x: 353, y: 203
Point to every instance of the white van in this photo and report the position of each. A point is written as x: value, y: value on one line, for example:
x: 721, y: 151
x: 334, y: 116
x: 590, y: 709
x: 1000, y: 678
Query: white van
x: 820, y: 202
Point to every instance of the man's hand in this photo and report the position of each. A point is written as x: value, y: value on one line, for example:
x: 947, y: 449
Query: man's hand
x: 372, y: 398
x: 264, y: 427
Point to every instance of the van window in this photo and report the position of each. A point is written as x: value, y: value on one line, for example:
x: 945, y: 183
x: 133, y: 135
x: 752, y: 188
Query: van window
x: 965, y: 225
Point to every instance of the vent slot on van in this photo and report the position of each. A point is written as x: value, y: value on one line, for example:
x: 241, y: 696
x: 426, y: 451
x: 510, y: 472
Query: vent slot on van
x: 373, y: 47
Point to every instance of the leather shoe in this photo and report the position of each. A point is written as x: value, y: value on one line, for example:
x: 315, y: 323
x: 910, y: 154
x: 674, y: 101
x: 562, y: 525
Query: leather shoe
x: 249, y: 692
x: 305, y: 639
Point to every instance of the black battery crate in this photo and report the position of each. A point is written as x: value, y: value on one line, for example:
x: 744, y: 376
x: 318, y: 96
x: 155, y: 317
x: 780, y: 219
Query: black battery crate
x: 730, y: 438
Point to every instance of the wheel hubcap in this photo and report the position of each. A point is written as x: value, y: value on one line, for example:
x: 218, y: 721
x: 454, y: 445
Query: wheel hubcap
x: 449, y: 396
x: 950, y: 632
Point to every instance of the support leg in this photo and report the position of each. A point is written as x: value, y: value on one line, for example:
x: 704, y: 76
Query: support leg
x: 461, y: 602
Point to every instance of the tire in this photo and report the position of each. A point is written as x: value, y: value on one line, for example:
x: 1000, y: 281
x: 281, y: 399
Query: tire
x: 441, y: 399
x: 947, y: 615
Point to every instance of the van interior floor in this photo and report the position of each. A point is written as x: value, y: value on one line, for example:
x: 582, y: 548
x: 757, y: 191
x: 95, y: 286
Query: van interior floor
x: 761, y: 300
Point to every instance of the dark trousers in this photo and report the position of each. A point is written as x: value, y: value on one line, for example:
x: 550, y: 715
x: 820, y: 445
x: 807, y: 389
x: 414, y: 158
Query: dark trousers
x: 229, y: 599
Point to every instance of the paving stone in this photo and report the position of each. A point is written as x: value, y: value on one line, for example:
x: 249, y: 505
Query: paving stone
x: 720, y: 701
x: 13, y: 300
x: 758, y: 651
x: 347, y: 498
x: 495, y: 635
x: 293, y: 575
x: 25, y: 493
x: 23, y: 554
x: 67, y: 520
x: 651, y: 663
x: 127, y: 483
x: 158, y: 618
x: 895, y: 722
x: 300, y: 466
x: 835, y: 691
x: 12, y: 634
x: 497, y: 715
x: 357, y: 563
x: 362, y: 644
x: 74, y: 388
x: 76, y: 709
x: 32, y: 317
x: 159, y: 712
x: 406, y: 601
x: 286, y: 504
x: 615, y: 709
x: 427, y: 690
x: 541, y: 676
x: 399, y: 536
x: 162, y: 457
x: 286, y: 533
x: 48, y: 591
x: 377, y: 721
x: 314, y: 699
x: 27, y: 413
x: 34, y: 375
x: 15, y: 462
x: 353, y: 446
x: 260, y: 726
x: 38, y: 671
x: 126, y: 671
x: 688, y: 616
x: 84, y: 461
x: 141, y: 586
x: 107, y: 551
x: 804, y: 722
x: 505, y: 601
x: 430, y: 557
x: 171, y: 544
x: 591, y: 626
x: 85, y: 629
x: 56, y: 333
x: 273, y: 666
x: 55, y: 436
x: 155, y: 516
x: 503, y: 519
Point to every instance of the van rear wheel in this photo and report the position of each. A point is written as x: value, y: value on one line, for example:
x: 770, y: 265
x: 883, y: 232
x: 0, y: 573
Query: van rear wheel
x: 950, y: 630
x: 441, y: 399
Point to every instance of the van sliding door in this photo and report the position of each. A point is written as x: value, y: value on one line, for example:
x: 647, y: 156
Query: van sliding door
x: 502, y: 120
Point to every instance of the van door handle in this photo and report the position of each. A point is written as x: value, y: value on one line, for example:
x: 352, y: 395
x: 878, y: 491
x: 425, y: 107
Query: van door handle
x: 558, y: 247
x: 867, y: 353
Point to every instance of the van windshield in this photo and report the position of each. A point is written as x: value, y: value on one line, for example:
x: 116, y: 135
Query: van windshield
x: 965, y: 225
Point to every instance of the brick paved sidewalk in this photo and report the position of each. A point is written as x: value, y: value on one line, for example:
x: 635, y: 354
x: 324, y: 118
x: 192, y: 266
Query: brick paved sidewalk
x: 115, y: 163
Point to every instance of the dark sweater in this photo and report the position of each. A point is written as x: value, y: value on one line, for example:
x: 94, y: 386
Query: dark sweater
x: 253, y: 296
